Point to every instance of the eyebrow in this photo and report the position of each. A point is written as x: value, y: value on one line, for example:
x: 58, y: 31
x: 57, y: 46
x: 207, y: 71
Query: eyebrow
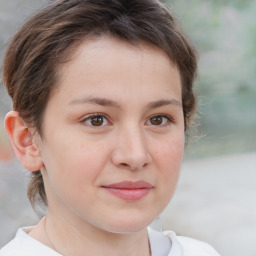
x: 160, y: 103
x: 98, y: 101
x: 110, y: 103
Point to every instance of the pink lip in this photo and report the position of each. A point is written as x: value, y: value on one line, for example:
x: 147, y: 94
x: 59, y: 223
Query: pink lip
x: 129, y: 190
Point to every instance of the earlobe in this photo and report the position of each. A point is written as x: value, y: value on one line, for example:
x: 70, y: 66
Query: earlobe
x: 25, y: 145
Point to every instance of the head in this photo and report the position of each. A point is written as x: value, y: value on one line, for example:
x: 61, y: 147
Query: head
x: 42, y: 51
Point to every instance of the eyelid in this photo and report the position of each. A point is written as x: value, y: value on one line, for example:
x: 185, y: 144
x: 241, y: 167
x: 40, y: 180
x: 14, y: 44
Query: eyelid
x: 170, y: 120
x: 87, y: 117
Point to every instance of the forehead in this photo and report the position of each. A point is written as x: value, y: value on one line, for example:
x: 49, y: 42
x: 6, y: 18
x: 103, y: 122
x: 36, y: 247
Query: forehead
x: 106, y: 60
x: 109, y: 74
x: 110, y: 49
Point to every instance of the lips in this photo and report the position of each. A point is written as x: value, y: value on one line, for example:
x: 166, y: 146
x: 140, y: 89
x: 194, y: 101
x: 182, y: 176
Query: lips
x: 129, y: 190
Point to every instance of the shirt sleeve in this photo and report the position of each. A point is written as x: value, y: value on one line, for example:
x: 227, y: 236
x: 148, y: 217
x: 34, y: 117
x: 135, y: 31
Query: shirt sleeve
x: 193, y: 247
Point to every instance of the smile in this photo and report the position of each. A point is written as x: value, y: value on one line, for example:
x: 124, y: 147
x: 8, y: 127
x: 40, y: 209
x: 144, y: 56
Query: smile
x: 129, y: 190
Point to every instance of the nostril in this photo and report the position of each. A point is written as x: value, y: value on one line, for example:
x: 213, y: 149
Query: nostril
x: 131, y: 160
x: 132, y: 167
x: 127, y: 166
x: 124, y: 164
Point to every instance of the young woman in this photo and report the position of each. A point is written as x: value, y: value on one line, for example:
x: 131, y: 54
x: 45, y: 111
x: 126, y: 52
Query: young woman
x: 102, y: 96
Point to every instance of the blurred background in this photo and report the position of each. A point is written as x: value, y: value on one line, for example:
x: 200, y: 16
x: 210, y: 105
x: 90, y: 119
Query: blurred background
x: 216, y: 196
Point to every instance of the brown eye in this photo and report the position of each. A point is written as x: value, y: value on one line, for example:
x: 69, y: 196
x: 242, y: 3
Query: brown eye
x: 95, y: 121
x: 156, y: 120
x: 159, y: 120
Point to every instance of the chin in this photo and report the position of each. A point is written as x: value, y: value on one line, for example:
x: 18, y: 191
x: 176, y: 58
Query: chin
x: 129, y: 225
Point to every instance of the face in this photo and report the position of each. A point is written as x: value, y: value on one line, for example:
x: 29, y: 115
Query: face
x: 113, y: 136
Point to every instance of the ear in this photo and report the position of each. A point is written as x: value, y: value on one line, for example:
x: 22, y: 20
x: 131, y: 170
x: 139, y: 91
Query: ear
x: 24, y: 141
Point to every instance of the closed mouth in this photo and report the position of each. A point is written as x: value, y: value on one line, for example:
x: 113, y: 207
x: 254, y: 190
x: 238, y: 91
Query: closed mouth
x: 129, y: 190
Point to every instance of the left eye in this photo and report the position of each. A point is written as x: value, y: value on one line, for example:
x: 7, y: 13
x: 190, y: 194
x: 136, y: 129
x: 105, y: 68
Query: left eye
x: 95, y: 120
x: 159, y: 120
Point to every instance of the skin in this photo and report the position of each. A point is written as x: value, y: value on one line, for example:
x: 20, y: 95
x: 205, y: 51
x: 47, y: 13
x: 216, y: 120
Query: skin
x: 135, y: 94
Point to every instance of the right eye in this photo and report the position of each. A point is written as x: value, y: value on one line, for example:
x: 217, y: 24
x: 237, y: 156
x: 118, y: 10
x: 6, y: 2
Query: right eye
x: 95, y: 120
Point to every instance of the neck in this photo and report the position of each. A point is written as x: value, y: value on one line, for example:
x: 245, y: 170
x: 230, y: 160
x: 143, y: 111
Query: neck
x: 80, y: 240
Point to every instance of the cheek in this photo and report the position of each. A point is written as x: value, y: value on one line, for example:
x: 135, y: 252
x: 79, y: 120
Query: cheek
x: 76, y: 163
x: 72, y: 174
x: 168, y: 158
x: 170, y: 151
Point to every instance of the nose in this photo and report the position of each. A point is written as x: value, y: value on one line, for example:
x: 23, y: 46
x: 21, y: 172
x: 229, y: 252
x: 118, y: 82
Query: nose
x: 131, y: 151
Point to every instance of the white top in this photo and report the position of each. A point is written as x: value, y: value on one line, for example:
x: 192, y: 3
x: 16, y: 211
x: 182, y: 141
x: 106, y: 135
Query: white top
x: 161, y: 244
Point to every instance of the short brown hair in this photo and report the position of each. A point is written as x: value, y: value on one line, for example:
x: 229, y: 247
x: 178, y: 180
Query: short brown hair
x: 30, y: 69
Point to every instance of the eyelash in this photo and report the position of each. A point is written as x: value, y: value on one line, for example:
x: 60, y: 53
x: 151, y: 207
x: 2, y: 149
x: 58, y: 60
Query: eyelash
x: 96, y: 115
x: 103, y: 116
x: 167, y: 122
